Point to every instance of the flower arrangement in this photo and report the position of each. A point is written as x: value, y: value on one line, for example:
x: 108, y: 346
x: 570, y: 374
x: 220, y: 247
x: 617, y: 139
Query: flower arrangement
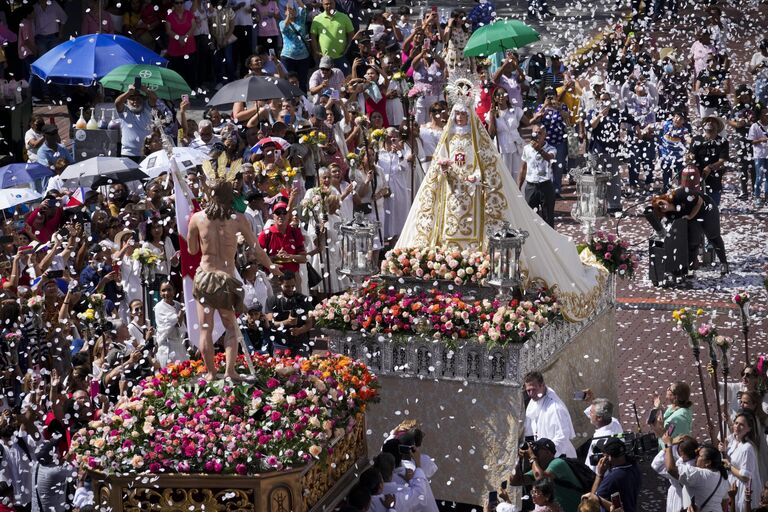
x: 96, y: 301
x: 613, y: 253
x: 402, y: 82
x: 12, y: 338
x: 145, y: 256
x: 177, y: 422
x: 36, y: 303
x: 418, y: 90
x: 685, y: 319
x: 88, y: 316
x: 443, y: 316
x: 314, y: 138
x: 378, y: 135
x: 460, y: 267
x: 741, y: 299
x: 280, y: 177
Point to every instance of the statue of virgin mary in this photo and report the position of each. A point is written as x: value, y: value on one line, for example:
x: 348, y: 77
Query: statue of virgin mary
x: 467, y: 193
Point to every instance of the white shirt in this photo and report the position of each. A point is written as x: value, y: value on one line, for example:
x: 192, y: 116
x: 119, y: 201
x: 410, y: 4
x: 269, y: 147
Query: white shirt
x: 675, y: 491
x: 757, y: 59
x: 758, y: 131
x: 538, y: 170
x: 243, y: 15
x: 699, y: 483
x: 425, y: 500
x: 16, y: 468
x: 407, y: 497
x: 200, y: 144
x: 429, y: 139
x: 255, y: 220
x: 257, y: 291
x: 548, y: 418
x: 612, y: 429
x: 29, y: 137
x: 507, y: 133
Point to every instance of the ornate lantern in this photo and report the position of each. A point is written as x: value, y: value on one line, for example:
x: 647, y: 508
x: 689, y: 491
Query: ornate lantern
x: 357, y: 237
x: 505, y: 247
x: 592, y: 188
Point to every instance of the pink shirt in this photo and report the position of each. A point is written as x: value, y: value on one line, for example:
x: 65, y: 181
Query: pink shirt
x: 699, y: 54
x: 178, y: 47
x: 26, y: 39
x: 268, y: 25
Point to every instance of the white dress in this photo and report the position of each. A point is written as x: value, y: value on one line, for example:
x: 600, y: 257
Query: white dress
x: 347, y: 206
x: 331, y: 259
x: 744, y: 457
x: 395, y: 112
x: 377, y: 209
x: 508, y: 140
x: 170, y: 335
x: 675, y: 491
x: 429, y: 138
x: 396, y: 171
x: 700, y: 483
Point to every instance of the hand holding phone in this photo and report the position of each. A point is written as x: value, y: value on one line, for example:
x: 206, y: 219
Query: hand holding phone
x: 579, y: 395
x: 616, y: 500
x: 137, y: 83
x: 493, y: 498
x: 670, y: 429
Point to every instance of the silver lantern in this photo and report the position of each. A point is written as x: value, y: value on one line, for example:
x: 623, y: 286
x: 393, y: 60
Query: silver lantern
x: 357, y: 237
x: 592, y: 192
x: 505, y: 247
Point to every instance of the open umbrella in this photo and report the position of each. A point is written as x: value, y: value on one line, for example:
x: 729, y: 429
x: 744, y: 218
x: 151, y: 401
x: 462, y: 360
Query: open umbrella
x: 85, y: 59
x: 13, y: 175
x: 102, y: 170
x: 254, y: 88
x: 165, y: 83
x: 186, y: 158
x: 499, y: 36
x: 10, y: 197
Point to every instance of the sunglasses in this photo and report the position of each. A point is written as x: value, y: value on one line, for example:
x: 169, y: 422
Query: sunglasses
x: 281, y: 213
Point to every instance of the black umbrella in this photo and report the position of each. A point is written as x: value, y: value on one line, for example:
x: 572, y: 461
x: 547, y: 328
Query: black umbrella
x: 254, y: 88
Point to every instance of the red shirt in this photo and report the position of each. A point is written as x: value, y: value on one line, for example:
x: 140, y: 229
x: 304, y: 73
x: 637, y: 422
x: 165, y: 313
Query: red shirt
x: 292, y: 242
x: 49, y: 228
x: 177, y: 47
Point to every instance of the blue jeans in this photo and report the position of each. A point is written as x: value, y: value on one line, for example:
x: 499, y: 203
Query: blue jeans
x: 761, y: 177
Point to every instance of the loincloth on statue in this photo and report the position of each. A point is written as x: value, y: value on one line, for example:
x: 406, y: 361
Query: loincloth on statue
x: 219, y: 290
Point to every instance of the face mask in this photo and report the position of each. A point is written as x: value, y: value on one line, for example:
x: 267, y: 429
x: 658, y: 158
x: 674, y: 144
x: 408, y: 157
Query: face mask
x: 669, y: 68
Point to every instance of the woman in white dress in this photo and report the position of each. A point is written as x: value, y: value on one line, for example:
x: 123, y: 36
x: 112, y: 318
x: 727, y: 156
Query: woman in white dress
x: 503, y: 121
x: 395, y: 111
x: 328, y: 262
x: 156, y: 241
x: 752, y: 401
x: 394, y: 165
x: 705, y: 482
x: 345, y: 190
x: 169, y: 318
x: 431, y: 132
x: 742, y: 456
x: 369, y: 196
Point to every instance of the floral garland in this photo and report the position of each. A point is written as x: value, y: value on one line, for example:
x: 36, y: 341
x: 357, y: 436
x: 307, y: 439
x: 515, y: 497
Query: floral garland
x: 444, y: 316
x: 460, y: 267
x: 613, y: 253
x: 177, y: 422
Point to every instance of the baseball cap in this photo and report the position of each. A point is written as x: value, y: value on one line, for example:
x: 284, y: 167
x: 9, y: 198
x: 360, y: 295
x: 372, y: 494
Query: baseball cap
x: 545, y: 443
x: 326, y: 62
x: 279, y: 206
x: 615, y: 447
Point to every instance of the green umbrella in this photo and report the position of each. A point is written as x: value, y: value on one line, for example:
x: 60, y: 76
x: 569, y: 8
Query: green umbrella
x: 499, y: 36
x: 165, y: 83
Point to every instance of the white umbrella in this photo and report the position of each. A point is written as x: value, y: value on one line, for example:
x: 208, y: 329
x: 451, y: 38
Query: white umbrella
x: 10, y: 197
x: 101, y: 170
x: 186, y: 158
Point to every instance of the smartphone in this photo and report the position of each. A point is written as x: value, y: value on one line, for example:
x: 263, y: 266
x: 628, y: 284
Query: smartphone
x: 55, y: 274
x: 406, y: 449
x: 652, y: 417
x: 137, y: 83
x: 671, y: 429
x: 271, y: 53
x: 335, y: 94
x: 616, y: 500
x: 287, y: 118
x: 427, y: 43
x: 94, y: 389
x: 26, y: 249
x: 185, y: 97
x: 493, y: 497
x: 579, y: 395
x: 87, y: 230
x: 504, y: 485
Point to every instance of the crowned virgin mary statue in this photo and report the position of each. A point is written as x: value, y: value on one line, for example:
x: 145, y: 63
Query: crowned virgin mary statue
x: 468, y: 192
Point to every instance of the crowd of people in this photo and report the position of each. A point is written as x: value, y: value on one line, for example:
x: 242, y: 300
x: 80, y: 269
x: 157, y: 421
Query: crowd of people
x: 82, y: 323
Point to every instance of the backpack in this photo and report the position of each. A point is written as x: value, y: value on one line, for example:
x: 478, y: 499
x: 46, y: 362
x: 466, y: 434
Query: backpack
x: 584, y: 475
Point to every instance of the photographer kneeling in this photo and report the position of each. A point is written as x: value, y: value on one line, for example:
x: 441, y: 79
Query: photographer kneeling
x: 617, y: 473
x: 541, y: 456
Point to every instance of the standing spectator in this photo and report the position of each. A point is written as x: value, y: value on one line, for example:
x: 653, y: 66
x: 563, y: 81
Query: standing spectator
x: 603, y: 125
x: 678, y: 411
x: 641, y: 108
x: 758, y: 135
x: 201, y: 10
x: 295, y: 54
x: 17, y: 449
x: 52, y: 477
x: 429, y: 74
x: 169, y: 319
x: 49, y: 20
x: 482, y: 14
x: 758, y: 66
x: 289, y: 314
x: 553, y: 117
x: 546, y: 416
x: 544, y: 464
x: 710, y: 154
x: 503, y: 121
x: 325, y: 78
x: 741, y: 117
x: 430, y: 133
x: 267, y: 32
x: 713, y: 86
x: 182, y: 47
x: 136, y: 115
x: 455, y: 38
x: 34, y: 138
x: 684, y: 450
x: 536, y: 174
x: 394, y: 165
x: 222, y: 27
x: 91, y: 23
x: 701, y: 50
x: 243, y: 32
x: 741, y: 456
x: 134, y: 26
x: 705, y: 482
x: 617, y: 472
x: 672, y: 87
x: 332, y: 32
x: 283, y: 243
x: 674, y: 137
x: 52, y: 150
x: 26, y: 39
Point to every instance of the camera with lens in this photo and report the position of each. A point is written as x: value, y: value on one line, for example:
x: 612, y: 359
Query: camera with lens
x: 637, y: 446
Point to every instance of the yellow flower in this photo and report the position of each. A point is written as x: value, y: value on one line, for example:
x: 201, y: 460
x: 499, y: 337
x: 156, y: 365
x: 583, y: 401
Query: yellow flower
x: 699, y: 312
x: 313, y: 133
x: 676, y: 315
x: 303, y: 139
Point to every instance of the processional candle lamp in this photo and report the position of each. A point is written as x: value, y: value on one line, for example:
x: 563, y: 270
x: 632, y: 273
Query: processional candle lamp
x: 505, y: 247
x: 357, y: 237
x: 592, y: 190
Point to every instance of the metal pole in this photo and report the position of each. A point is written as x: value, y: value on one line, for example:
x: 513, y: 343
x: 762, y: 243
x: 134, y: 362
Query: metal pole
x: 710, y: 427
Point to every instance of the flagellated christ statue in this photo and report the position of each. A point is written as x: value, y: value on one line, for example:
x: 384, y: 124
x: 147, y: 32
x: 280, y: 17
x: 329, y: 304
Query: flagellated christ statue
x: 213, y: 232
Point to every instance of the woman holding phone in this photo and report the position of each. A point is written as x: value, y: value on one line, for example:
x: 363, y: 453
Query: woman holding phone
x: 295, y: 54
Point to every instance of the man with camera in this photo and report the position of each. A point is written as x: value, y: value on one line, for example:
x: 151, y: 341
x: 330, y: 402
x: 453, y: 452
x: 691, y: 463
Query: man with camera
x: 540, y: 456
x: 618, y: 479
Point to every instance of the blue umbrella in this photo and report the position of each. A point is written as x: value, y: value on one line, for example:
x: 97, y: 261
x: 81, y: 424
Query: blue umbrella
x: 85, y: 59
x: 14, y: 175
